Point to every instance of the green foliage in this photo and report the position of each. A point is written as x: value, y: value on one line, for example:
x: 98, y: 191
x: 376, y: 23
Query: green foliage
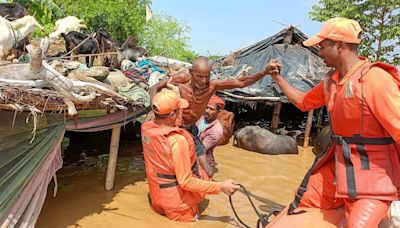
x: 121, y: 18
x: 48, y: 28
x: 164, y: 35
x: 380, y: 20
x: 45, y: 12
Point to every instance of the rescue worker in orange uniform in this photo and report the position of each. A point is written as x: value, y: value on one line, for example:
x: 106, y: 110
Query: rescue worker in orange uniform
x: 361, y: 168
x: 169, y: 153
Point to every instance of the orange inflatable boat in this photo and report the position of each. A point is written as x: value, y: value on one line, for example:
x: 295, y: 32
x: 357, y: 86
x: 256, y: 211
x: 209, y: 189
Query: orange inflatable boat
x: 318, y: 218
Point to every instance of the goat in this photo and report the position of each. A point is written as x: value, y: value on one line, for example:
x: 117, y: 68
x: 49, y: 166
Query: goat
x: 90, y: 46
x: 66, y: 25
x: 131, y: 54
x: 131, y: 42
x: 14, y: 31
x: 12, y: 11
x: 107, y: 44
x: 130, y: 50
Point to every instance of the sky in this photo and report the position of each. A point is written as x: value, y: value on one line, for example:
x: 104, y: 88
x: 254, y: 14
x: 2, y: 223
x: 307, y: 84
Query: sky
x: 219, y: 27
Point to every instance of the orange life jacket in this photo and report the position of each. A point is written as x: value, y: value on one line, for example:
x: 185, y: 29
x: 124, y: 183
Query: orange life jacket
x: 367, y: 158
x: 163, y: 186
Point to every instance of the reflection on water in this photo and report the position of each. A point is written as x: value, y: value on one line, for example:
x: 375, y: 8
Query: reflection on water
x: 83, y: 202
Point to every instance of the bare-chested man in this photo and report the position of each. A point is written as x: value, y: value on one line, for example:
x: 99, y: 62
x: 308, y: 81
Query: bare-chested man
x: 197, y: 88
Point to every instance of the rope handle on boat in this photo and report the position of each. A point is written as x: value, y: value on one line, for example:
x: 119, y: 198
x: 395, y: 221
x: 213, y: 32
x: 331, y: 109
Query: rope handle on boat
x: 262, y: 218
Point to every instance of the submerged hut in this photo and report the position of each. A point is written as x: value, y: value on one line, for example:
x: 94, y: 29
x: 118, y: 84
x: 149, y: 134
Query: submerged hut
x: 302, y: 68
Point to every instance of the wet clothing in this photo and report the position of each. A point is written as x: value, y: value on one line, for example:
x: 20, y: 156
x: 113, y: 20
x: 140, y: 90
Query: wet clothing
x: 362, y: 165
x: 192, y: 129
x: 366, y: 126
x: 210, y: 137
x: 175, y: 189
x: 321, y: 194
x: 184, y: 215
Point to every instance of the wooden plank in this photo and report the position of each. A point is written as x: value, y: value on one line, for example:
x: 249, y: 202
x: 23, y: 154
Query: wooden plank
x: 112, y: 159
x: 308, y: 128
x: 275, y: 116
x: 82, y: 55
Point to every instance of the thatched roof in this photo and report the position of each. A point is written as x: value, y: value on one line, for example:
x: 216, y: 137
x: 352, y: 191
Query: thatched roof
x: 24, y: 99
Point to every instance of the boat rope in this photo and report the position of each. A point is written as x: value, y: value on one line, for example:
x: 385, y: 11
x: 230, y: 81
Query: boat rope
x: 262, y: 218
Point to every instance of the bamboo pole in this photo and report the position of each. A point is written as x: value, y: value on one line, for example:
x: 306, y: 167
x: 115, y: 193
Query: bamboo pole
x: 250, y: 98
x: 308, y: 128
x: 275, y: 116
x: 112, y: 159
x: 83, y: 55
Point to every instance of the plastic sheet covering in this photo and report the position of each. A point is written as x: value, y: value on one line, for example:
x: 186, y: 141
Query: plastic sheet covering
x: 301, y: 67
x: 24, y: 202
x: 20, y: 160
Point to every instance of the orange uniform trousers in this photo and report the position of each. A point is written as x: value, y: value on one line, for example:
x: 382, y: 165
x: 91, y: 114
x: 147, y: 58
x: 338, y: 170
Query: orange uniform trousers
x: 358, y: 212
x: 186, y: 215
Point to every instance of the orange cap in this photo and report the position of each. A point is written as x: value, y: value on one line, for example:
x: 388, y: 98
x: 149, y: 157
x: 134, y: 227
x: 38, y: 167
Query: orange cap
x: 216, y: 100
x: 167, y: 101
x: 337, y: 29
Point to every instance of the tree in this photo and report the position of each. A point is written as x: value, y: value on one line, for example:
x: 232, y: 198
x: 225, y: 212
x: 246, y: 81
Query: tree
x: 121, y: 18
x: 164, y: 35
x: 380, y: 20
x: 45, y: 11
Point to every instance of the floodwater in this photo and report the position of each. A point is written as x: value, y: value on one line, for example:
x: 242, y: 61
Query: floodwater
x: 81, y: 200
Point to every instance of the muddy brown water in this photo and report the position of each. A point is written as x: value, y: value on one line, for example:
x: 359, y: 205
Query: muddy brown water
x: 81, y: 200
